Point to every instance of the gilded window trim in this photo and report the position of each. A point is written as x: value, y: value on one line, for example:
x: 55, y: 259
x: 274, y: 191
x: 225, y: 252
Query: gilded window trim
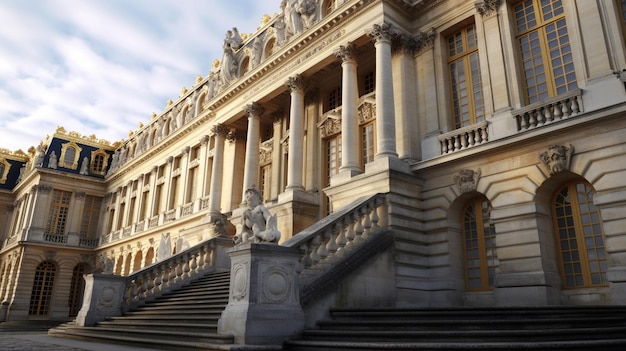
x: 64, y: 148
x: 5, y: 173
x: 105, y: 162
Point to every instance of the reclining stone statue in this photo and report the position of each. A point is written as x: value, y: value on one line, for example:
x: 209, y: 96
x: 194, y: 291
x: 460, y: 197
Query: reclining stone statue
x: 258, y: 224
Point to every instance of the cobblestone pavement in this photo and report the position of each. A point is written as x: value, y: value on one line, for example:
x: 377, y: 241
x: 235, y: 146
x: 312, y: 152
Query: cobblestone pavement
x: 41, y: 341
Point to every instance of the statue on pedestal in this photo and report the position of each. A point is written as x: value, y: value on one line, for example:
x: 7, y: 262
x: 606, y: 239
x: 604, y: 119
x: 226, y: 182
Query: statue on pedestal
x: 258, y: 224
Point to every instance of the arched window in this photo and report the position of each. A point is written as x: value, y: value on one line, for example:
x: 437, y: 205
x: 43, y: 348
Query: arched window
x: 479, y: 245
x: 99, y: 161
x: 43, y: 286
x: 77, y: 287
x: 118, y: 265
x: 329, y: 6
x: 579, y: 235
x: 70, y: 153
x: 269, y: 47
x: 137, y: 261
x: 245, y: 66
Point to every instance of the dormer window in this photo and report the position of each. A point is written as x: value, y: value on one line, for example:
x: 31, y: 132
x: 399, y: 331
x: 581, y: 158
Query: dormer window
x: 70, y: 153
x: 99, y: 162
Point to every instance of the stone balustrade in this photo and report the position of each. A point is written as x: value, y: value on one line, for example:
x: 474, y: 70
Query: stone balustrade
x: 120, y: 294
x: 549, y: 111
x: 53, y: 238
x: 324, y: 242
x: 464, y: 138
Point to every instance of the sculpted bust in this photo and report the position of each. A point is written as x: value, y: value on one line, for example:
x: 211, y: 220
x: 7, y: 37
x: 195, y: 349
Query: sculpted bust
x: 258, y: 224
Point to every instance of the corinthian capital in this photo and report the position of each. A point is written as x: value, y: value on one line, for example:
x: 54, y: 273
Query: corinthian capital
x: 381, y: 32
x: 487, y: 7
x: 254, y: 109
x: 295, y: 83
x: 220, y: 129
x: 346, y: 52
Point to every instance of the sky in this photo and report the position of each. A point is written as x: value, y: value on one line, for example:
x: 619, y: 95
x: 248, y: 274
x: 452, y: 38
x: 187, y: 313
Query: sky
x: 103, y: 66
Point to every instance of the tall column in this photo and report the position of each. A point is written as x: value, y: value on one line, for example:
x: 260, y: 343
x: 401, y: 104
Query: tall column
x: 202, y: 167
x: 217, y: 171
x: 277, y: 153
x: 251, y: 167
x: 41, y: 205
x: 381, y: 34
x: 349, y: 104
x: 296, y: 133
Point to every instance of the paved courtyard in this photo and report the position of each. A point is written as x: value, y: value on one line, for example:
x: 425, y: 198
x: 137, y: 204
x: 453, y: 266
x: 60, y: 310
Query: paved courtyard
x: 40, y: 341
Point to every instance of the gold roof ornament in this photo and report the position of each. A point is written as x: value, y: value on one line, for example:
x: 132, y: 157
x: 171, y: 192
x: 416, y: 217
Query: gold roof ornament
x: 216, y: 63
x: 198, y: 78
x: 169, y: 102
x: 140, y: 125
x: 153, y: 116
x: 265, y: 19
x: 183, y: 91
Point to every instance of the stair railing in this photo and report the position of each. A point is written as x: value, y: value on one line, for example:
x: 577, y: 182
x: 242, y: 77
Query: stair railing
x: 169, y: 274
x: 333, y: 239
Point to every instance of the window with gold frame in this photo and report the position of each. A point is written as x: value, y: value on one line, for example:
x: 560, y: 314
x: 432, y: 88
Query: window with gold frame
x: 99, y: 162
x: 5, y: 166
x: 579, y: 237
x: 479, y: 245
x: 70, y: 154
x: 465, y: 77
x: 543, y: 42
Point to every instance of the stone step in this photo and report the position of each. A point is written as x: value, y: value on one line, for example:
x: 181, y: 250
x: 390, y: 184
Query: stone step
x: 467, y: 336
x: 160, y: 325
x: 185, y: 305
x: 590, y: 345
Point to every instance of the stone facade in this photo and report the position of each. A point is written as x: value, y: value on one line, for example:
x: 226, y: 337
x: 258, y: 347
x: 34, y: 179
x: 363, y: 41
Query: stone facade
x: 347, y: 99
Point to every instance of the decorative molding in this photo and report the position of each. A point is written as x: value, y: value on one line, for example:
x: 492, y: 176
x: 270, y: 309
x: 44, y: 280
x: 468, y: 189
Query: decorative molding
x: 467, y: 180
x: 487, y: 8
x: 254, y: 109
x: 220, y: 129
x: 557, y: 158
x: 346, y: 52
x: 381, y: 32
x: 295, y: 83
x: 67, y: 160
x: 424, y: 40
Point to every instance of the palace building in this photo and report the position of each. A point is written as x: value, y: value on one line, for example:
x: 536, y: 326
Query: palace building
x: 486, y: 138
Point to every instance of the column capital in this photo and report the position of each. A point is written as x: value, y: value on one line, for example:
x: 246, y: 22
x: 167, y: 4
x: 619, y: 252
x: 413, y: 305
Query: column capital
x: 346, y: 52
x: 381, y: 32
x: 487, y: 8
x: 295, y: 83
x: 220, y: 129
x: 425, y: 40
x: 234, y: 135
x: 205, y: 138
x: 254, y: 109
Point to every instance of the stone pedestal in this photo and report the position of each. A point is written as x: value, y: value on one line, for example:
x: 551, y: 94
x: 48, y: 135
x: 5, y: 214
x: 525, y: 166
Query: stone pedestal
x: 102, y: 298
x: 264, y: 304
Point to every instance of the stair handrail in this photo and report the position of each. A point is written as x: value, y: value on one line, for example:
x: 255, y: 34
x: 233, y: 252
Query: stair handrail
x: 328, y: 241
x: 164, y: 276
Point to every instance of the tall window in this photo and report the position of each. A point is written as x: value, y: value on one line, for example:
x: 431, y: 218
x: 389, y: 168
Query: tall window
x: 580, y: 239
x: 191, y: 185
x: 264, y: 182
x: 334, y: 99
x: 479, y: 244
x: 91, y: 214
x: 368, y: 143
x: 59, y: 209
x: 545, y: 51
x: 369, y: 83
x: 465, y: 80
x: 43, y: 286
x: 333, y: 156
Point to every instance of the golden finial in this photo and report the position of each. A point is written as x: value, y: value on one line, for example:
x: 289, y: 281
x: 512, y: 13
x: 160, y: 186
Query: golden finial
x: 169, y: 102
x: 265, y: 19
x: 140, y: 125
x: 154, y: 115
x: 130, y: 133
x: 198, y: 78
x: 216, y: 63
x: 244, y: 36
x: 183, y: 91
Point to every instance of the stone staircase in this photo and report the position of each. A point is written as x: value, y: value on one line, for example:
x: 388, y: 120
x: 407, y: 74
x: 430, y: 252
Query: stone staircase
x: 524, y: 328
x: 181, y: 320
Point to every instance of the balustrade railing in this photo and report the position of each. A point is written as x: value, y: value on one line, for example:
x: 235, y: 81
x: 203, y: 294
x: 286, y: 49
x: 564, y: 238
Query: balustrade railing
x: 170, y: 215
x: 87, y: 242
x: 162, y: 277
x: 139, y: 226
x: 54, y: 238
x: 187, y: 210
x: 464, y: 138
x: 324, y: 243
x: 126, y: 232
x: 153, y: 222
x: 549, y: 111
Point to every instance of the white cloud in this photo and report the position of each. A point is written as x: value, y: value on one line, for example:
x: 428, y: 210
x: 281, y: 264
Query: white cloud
x: 101, y: 67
